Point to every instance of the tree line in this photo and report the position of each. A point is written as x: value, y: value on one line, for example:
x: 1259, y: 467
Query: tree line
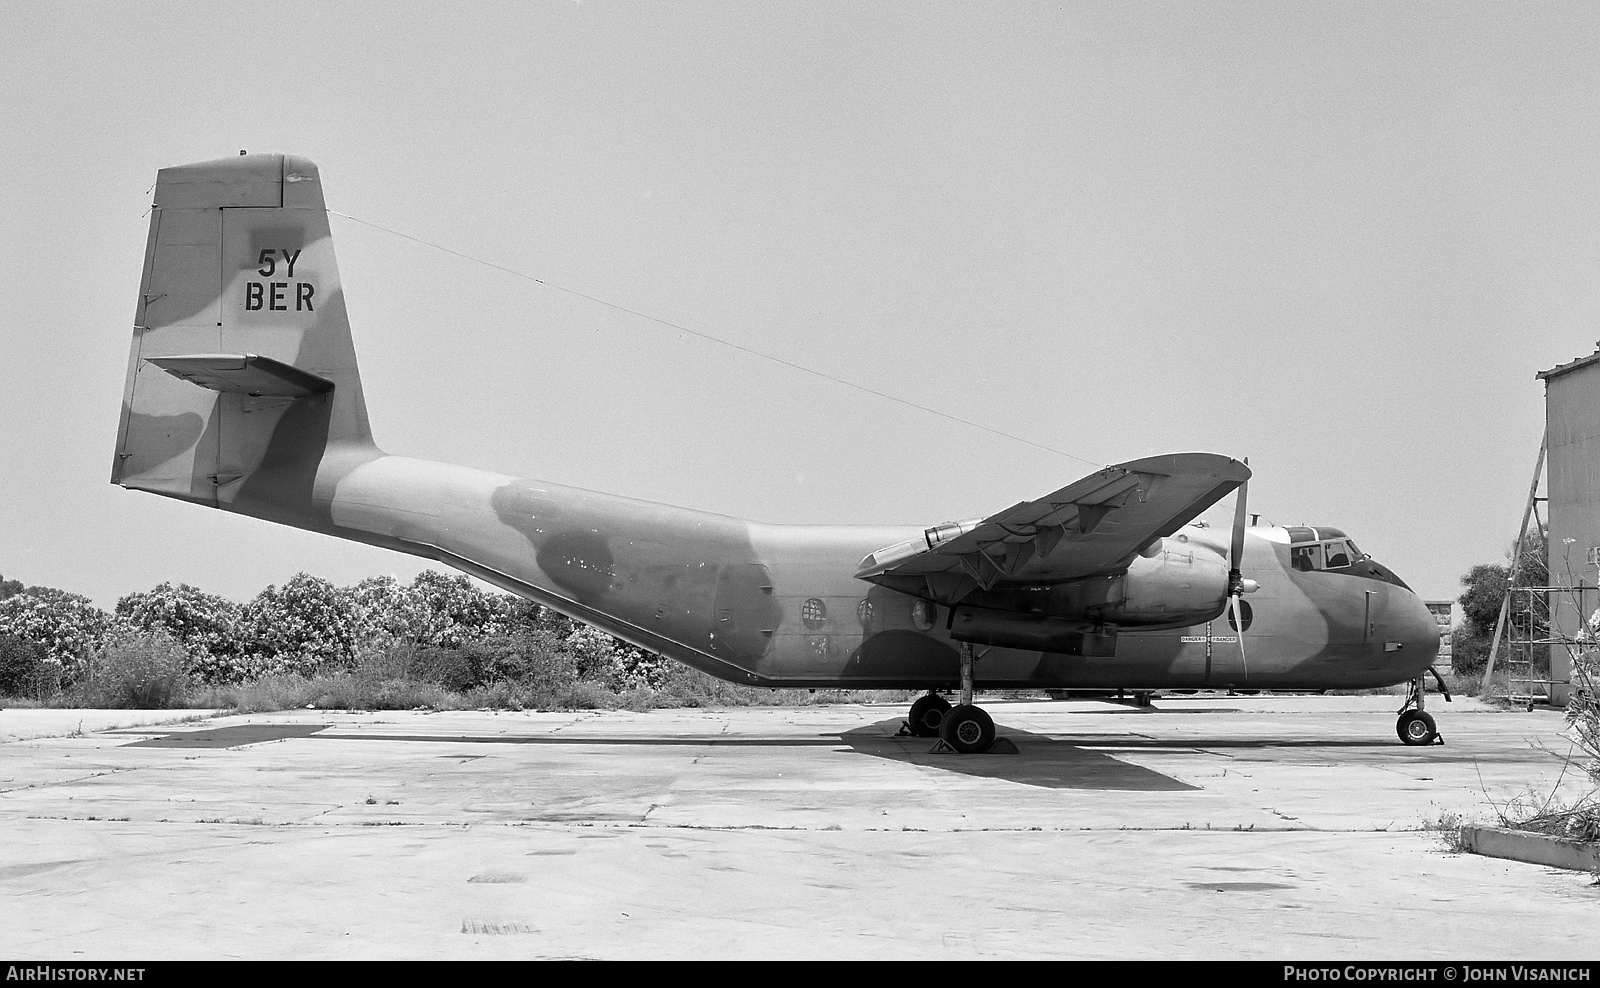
x: 439, y: 628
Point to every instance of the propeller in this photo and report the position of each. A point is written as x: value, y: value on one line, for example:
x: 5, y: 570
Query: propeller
x: 1238, y: 586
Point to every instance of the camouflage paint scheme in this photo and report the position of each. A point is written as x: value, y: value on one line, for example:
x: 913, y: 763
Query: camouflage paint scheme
x: 243, y: 394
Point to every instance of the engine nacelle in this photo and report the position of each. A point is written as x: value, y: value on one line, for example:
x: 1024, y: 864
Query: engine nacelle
x: 1182, y: 583
x: 1174, y: 583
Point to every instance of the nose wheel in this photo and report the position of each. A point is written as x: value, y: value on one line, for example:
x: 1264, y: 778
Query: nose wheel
x: 1417, y: 727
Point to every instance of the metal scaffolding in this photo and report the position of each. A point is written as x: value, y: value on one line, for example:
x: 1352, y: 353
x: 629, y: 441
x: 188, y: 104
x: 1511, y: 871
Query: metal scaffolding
x: 1531, y: 632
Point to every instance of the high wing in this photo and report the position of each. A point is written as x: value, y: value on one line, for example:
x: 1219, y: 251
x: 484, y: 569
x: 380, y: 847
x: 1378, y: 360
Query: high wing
x: 1096, y: 525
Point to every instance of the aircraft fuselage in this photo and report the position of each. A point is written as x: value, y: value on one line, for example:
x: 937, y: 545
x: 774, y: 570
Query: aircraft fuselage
x: 780, y: 606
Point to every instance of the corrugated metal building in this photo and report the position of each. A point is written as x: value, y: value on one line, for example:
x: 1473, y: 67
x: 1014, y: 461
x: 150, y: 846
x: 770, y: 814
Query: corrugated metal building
x: 1572, y: 442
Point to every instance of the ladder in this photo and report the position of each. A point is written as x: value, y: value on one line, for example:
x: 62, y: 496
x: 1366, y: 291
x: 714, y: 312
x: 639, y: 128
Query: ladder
x: 1530, y: 509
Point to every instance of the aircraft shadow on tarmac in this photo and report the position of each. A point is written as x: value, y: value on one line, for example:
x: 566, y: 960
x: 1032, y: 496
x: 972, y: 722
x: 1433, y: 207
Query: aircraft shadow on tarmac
x: 1038, y: 759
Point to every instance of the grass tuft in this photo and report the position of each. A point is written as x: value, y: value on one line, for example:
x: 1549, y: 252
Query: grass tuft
x: 1450, y: 829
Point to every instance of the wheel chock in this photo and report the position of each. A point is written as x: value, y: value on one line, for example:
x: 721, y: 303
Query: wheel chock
x: 1001, y: 746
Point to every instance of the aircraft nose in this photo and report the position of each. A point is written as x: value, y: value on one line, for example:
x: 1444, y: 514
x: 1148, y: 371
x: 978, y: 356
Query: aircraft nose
x: 1412, y: 626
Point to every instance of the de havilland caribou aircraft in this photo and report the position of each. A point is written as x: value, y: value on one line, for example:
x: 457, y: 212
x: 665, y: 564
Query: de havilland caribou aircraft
x: 243, y: 394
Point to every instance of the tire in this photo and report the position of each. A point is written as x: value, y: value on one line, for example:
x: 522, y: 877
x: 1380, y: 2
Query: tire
x: 968, y: 730
x: 927, y: 714
x: 1416, y: 727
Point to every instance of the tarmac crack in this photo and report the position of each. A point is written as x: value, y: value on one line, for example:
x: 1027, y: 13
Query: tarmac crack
x: 74, y: 779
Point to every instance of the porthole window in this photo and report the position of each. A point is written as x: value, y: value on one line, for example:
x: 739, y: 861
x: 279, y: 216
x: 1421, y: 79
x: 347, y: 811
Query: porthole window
x: 864, y: 612
x: 1245, y: 614
x: 814, y: 613
x: 922, y: 615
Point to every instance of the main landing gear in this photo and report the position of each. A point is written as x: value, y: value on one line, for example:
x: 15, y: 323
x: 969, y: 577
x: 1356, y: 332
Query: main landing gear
x: 927, y: 715
x: 968, y: 729
x: 965, y: 728
x: 1416, y: 725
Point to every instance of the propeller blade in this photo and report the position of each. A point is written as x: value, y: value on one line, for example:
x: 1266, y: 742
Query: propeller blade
x: 1238, y: 625
x: 1236, y: 551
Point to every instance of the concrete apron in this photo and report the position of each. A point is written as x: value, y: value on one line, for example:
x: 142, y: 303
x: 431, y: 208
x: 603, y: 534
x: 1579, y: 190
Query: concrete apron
x: 1250, y: 827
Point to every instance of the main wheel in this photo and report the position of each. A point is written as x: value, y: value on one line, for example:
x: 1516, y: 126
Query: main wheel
x: 927, y: 713
x: 1417, y: 727
x: 968, y: 730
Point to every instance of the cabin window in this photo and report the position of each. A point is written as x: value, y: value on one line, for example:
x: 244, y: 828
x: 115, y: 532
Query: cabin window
x: 814, y: 613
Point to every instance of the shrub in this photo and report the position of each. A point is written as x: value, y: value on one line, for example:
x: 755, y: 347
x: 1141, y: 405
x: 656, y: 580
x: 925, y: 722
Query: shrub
x: 533, y: 658
x: 1450, y: 830
x: 449, y: 611
x: 1583, y: 713
x: 67, y: 626
x: 498, y: 696
x: 21, y: 663
x: 1469, y: 651
x: 308, y: 627
x: 356, y: 692
x: 140, y: 670
x: 586, y: 694
x: 603, y: 659
x: 205, y: 624
x: 451, y: 668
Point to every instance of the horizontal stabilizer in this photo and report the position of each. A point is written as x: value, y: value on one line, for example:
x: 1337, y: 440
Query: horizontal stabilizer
x: 244, y: 373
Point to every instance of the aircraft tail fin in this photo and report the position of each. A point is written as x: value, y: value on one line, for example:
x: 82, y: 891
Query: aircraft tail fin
x: 242, y: 381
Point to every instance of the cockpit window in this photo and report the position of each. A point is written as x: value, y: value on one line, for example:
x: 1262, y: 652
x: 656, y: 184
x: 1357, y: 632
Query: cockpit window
x: 1328, y: 549
x: 1333, y: 553
x: 1330, y: 554
x: 1306, y: 557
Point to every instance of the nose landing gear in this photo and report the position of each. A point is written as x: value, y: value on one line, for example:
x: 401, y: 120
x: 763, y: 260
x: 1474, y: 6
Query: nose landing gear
x: 1416, y: 726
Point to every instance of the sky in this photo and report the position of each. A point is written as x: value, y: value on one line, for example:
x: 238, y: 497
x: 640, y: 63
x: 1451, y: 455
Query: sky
x: 1338, y: 239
